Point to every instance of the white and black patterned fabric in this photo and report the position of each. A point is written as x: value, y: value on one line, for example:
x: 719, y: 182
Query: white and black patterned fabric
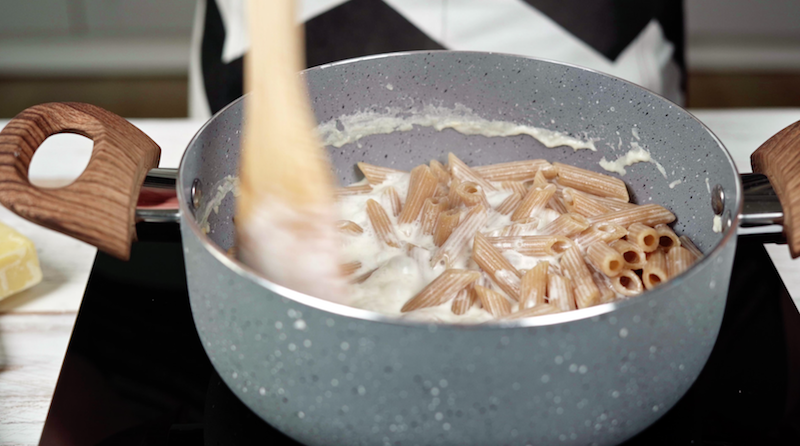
x: 638, y: 40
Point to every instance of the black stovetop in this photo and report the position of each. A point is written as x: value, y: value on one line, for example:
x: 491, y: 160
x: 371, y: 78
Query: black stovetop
x: 135, y: 372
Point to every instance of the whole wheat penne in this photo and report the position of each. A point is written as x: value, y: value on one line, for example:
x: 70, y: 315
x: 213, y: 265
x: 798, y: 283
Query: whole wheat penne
x: 605, y: 258
x: 607, y: 291
x: 441, y: 289
x: 441, y: 190
x: 496, y: 266
x: 356, y: 189
x: 557, y: 203
x: 539, y: 180
x: 591, y: 182
x: 627, y: 283
x: 549, y: 172
x: 430, y: 213
x: 687, y: 243
x: 393, y: 199
x: 633, y: 255
x: 461, y: 171
x: 667, y: 239
x: 560, y: 292
x: 493, y: 302
x: 643, y: 236
x: 381, y: 224
x: 509, y: 204
x: 647, y: 214
x: 520, y: 227
x: 377, y: 174
x: 533, y: 202
x: 471, y: 194
x: 348, y: 227
x: 421, y: 186
x: 440, y: 172
x: 586, y: 292
x: 566, y: 225
x: 654, y: 271
x: 679, y: 259
x: 602, y: 232
x: 511, y: 171
x: 533, y: 287
x: 514, y: 186
x: 615, y: 204
x: 538, y: 310
x: 475, y: 219
x: 532, y: 245
x: 445, y: 224
x: 350, y: 267
x: 464, y: 300
x: 582, y: 203
x: 452, y: 193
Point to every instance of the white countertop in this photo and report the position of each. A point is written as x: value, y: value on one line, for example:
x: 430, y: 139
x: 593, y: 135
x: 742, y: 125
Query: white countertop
x: 35, y: 325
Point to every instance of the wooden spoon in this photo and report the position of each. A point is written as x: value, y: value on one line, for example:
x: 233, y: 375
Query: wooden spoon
x: 285, y: 215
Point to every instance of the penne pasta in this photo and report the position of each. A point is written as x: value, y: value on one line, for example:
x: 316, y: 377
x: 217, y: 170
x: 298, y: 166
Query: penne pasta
x: 533, y: 287
x: 633, y: 255
x: 421, y: 186
x: 393, y: 199
x: 549, y: 172
x: 447, y: 221
x: 471, y: 194
x: 499, y: 269
x: 600, y: 232
x: 586, y: 292
x: 441, y: 289
x: 607, y: 291
x: 583, y: 203
x: 648, y: 214
x: 381, y: 224
x: 440, y: 172
x: 679, y: 259
x: 376, y: 174
x: 512, y: 171
x: 350, y: 267
x: 539, y: 180
x: 627, y: 283
x: 431, y: 210
x: 566, y: 225
x: 524, y: 225
x: 654, y: 272
x: 464, y: 300
x: 452, y: 248
x: 605, y: 259
x: 557, y: 203
x: 514, y: 186
x: 538, y: 310
x: 461, y: 171
x: 687, y: 243
x: 356, y: 189
x: 348, y: 227
x: 667, y: 239
x: 643, y: 236
x: 495, y: 303
x: 560, y: 292
x: 509, y: 204
x: 615, y: 204
x: 591, y: 182
x: 532, y: 245
x: 452, y: 194
x: 533, y: 202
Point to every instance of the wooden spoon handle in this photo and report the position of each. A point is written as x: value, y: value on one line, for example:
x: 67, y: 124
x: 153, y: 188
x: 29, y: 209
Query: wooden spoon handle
x: 779, y: 160
x: 99, y: 206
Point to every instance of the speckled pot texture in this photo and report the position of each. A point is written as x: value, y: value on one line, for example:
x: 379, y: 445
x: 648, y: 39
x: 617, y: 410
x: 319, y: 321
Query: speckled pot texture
x: 327, y: 374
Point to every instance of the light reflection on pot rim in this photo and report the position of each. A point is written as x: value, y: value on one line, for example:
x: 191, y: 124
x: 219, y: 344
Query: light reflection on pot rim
x: 357, y: 313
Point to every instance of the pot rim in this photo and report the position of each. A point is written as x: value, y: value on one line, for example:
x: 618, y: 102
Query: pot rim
x: 358, y: 313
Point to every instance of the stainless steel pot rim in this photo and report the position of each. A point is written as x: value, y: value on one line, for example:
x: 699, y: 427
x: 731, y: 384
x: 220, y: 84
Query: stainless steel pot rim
x: 357, y: 313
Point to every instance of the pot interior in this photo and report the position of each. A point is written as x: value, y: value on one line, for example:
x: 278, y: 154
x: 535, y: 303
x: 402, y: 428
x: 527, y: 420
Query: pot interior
x: 614, y: 115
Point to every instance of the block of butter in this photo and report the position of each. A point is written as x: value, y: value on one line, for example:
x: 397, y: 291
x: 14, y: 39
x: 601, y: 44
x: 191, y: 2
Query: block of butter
x: 19, y: 265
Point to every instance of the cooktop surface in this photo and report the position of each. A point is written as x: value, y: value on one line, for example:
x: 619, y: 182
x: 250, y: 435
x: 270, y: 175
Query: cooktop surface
x: 135, y: 372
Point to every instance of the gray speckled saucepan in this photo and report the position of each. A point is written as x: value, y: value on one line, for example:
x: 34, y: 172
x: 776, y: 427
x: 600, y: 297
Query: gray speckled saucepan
x: 329, y: 374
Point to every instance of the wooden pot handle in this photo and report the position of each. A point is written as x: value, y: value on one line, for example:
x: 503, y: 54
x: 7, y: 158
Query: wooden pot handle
x: 99, y: 206
x: 779, y: 160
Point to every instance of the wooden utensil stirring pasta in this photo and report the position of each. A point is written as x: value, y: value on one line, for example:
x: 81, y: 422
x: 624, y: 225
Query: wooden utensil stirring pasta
x: 545, y: 238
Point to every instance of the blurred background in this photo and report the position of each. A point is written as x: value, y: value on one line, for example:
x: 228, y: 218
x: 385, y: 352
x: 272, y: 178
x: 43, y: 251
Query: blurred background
x: 132, y: 56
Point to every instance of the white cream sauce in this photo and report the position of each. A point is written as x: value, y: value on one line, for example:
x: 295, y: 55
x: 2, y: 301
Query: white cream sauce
x: 350, y: 128
x: 637, y: 154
